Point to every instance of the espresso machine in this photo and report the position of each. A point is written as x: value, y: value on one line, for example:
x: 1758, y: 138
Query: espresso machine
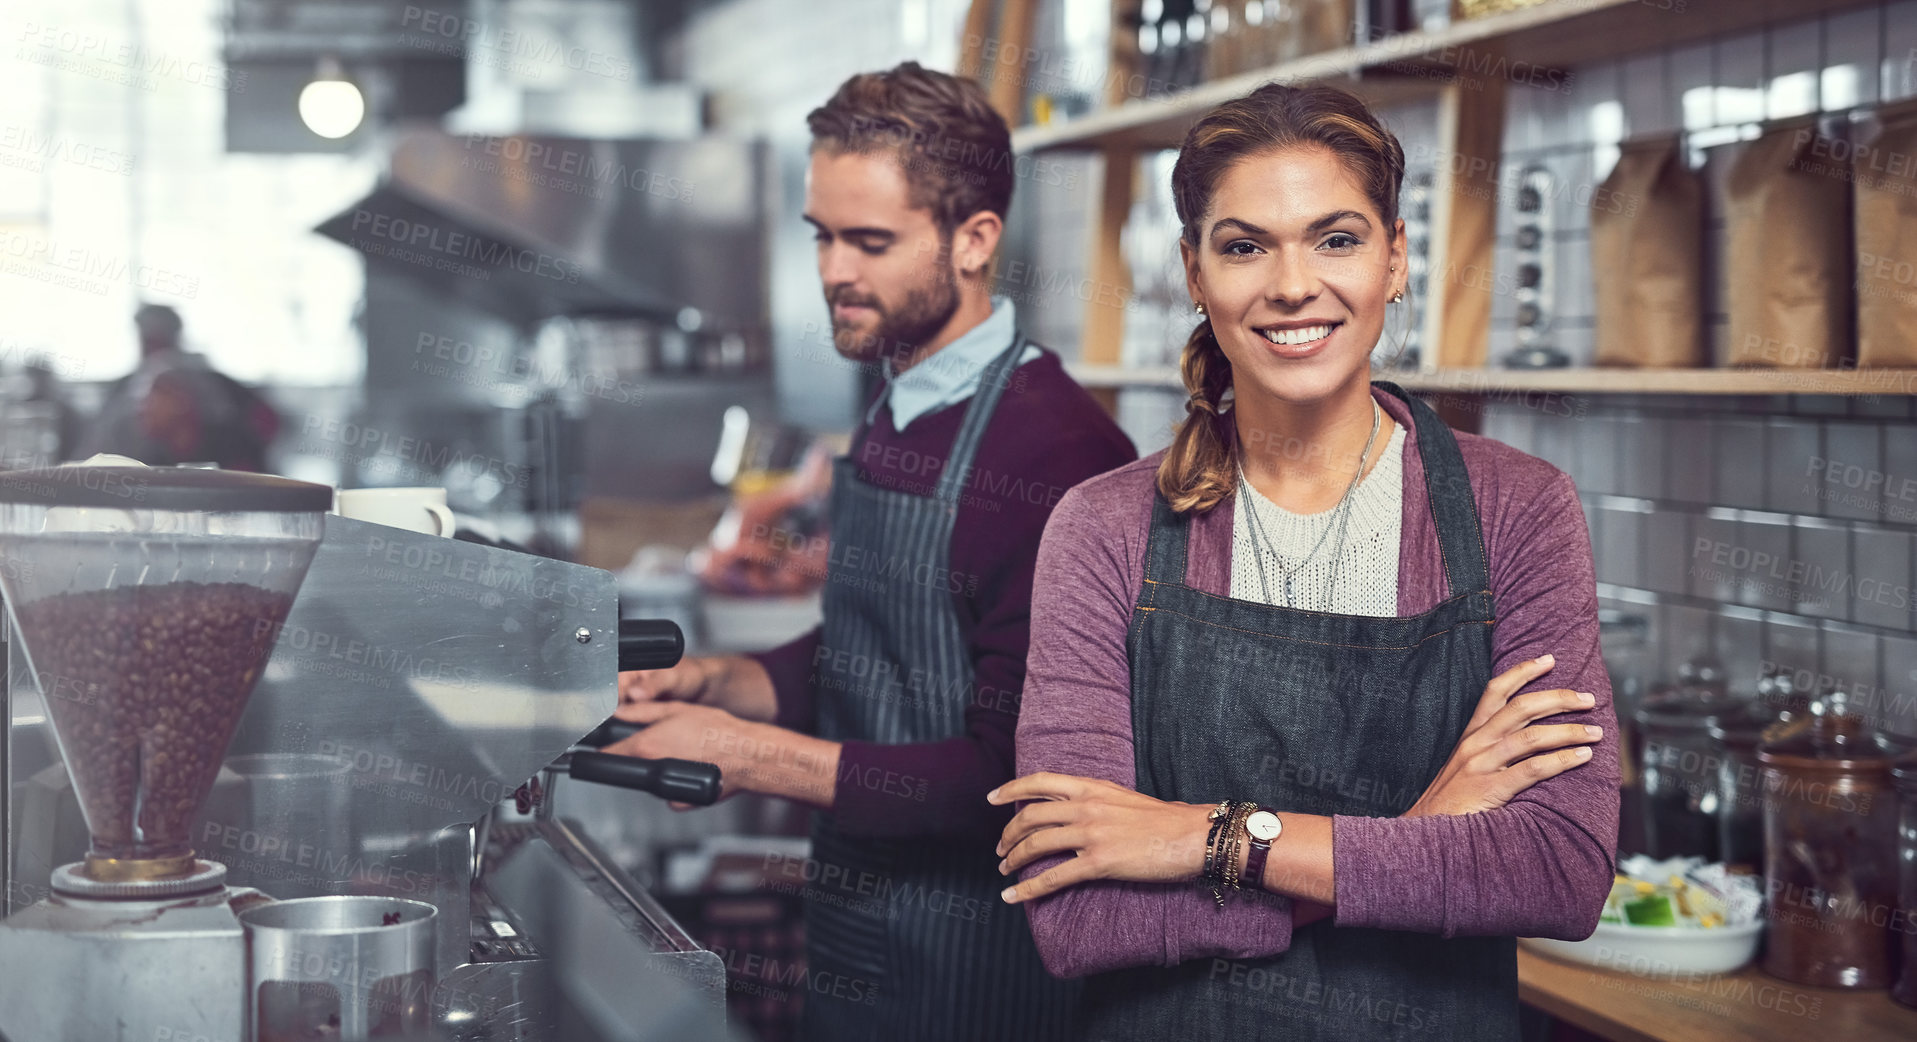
x: 221, y: 699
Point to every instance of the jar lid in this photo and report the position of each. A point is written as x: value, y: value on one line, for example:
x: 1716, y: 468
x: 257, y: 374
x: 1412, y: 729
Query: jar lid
x: 1834, y: 741
x: 182, y: 489
x: 1684, y: 708
x: 1742, y: 722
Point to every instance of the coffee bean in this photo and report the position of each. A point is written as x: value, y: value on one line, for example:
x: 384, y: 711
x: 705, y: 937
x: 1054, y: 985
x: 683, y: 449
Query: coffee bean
x: 145, y: 685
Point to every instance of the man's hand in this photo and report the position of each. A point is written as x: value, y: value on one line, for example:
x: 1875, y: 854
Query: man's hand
x: 734, y: 683
x: 751, y: 757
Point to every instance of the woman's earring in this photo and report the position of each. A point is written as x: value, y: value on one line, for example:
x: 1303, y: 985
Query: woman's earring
x: 1198, y: 306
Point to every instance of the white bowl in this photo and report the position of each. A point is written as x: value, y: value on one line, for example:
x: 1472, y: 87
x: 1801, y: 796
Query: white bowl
x: 1658, y: 951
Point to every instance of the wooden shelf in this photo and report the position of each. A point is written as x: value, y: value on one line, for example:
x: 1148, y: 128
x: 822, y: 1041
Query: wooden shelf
x: 1577, y: 381
x: 1553, y: 35
x: 1746, y: 1006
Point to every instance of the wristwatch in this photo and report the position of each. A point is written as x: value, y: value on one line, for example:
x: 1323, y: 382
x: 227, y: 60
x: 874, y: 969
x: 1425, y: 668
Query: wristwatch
x: 1262, y: 827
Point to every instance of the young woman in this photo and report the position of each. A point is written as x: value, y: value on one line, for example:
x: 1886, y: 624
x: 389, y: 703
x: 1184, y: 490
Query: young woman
x: 1321, y: 643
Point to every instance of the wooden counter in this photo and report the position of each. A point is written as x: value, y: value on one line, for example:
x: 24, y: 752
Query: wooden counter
x: 1747, y: 1006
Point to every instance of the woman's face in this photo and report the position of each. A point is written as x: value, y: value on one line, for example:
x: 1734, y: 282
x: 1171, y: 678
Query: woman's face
x: 1294, y: 267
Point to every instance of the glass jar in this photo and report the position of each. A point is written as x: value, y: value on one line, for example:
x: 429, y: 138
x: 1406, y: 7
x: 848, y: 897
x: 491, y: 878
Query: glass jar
x: 1735, y: 733
x: 1678, y: 771
x: 1904, y: 775
x: 1830, y: 845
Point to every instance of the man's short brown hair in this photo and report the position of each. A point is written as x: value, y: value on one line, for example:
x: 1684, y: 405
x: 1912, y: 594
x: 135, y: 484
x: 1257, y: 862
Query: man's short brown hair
x: 954, y: 148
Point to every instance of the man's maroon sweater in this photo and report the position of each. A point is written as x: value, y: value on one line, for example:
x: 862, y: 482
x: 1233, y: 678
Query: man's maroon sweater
x: 1046, y: 436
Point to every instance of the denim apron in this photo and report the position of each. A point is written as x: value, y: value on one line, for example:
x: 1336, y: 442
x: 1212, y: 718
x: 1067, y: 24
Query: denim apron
x: 1313, y: 713
x: 906, y: 939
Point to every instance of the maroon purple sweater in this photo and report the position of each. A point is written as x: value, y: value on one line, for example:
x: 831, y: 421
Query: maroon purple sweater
x: 1047, y: 435
x: 1540, y: 866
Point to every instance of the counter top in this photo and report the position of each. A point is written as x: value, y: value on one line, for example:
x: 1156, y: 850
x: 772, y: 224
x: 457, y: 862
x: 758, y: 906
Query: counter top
x: 1747, y: 1006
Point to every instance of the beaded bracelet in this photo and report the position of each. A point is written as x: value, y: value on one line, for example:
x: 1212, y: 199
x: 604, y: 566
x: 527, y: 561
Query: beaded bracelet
x: 1235, y: 833
x: 1211, y: 874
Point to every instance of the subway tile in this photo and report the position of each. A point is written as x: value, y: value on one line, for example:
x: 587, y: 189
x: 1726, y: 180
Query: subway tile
x: 1598, y: 448
x: 1848, y: 476
x: 1881, y: 406
x: 1792, y: 643
x: 1739, y: 464
x: 1524, y: 118
x: 1789, y: 446
x: 1819, y: 405
x: 1817, y: 571
x: 1576, y: 289
x: 1510, y: 424
x: 1852, y: 656
x: 1591, y: 520
x: 1853, y: 43
x: 1687, y: 634
x: 1560, y: 112
x: 1740, y: 80
x: 1740, y: 646
x: 1794, y: 67
x: 1759, y: 564
x: 1644, y: 449
x: 1650, y: 106
x: 1690, y: 85
x: 1687, y: 475
x: 1557, y: 444
x: 1900, y: 473
x: 1900, y: 50
x: 1709, y: 570
x: 1620, y: 546
x: 1900, y: 683
x: 1667, y: 551
x: 1880, y: 587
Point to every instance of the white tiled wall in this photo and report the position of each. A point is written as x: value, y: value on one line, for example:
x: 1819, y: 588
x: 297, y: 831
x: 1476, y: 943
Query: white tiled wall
x: 1675, y: 485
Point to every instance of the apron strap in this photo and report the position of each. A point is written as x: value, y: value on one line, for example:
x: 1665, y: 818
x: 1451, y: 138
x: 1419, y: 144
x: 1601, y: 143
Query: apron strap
x: 1447, y: 485
x: 1165, y: 547
x: 991, y: 387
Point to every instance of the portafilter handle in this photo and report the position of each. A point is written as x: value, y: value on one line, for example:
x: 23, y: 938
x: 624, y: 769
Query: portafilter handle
x: 649, y: 644
x: 681, y: 781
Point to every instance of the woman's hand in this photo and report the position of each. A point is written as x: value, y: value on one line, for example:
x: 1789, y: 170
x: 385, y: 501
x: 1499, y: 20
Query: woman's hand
x: 1504, y: 751
x: 1115, y: 833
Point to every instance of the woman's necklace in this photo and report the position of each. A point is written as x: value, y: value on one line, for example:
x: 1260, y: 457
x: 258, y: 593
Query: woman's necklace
x: 1342, y: 522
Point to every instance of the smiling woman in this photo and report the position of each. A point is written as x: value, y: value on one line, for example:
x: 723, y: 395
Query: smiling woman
x: 1314, y: 722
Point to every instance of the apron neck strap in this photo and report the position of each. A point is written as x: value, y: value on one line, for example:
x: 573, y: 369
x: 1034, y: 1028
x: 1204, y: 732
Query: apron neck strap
x: 991, y: 387
x: 1447, y: 485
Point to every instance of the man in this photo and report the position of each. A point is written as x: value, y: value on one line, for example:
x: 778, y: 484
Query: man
x: 176, y: 408
x: 896, y: 716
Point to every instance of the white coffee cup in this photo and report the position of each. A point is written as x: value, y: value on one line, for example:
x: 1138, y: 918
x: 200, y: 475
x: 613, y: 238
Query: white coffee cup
x: 420, y: 510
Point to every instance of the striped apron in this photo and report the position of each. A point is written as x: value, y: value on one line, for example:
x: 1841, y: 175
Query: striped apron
x: 906, y: 939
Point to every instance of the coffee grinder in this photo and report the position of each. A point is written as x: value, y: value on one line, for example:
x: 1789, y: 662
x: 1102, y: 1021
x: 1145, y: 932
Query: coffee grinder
x: 147, y: 602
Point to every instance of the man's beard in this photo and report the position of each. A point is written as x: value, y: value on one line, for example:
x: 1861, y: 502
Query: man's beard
x: 900, y: 333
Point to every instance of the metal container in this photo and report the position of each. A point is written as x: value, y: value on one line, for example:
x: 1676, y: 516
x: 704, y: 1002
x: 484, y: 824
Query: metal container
x: 339, y: 967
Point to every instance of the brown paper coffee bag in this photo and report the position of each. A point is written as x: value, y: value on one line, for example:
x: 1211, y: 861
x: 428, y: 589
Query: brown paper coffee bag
x: 1787, y: 251
x: 1647, y: 233
x: 1885, y: 171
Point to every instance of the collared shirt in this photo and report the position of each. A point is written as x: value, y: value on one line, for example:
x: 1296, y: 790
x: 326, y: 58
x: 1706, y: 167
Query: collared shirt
x: 952, y: 373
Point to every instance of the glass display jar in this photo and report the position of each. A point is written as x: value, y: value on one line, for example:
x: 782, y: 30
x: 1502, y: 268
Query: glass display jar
x: 1904, y: 775
x: 1678, y: 768
x: 1830, y: 846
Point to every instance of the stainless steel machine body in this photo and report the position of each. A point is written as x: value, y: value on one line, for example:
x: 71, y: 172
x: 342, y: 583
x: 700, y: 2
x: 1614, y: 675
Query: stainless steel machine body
x: 416, y: 684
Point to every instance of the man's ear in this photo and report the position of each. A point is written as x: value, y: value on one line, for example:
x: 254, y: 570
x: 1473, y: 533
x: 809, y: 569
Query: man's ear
x: 974, y: 242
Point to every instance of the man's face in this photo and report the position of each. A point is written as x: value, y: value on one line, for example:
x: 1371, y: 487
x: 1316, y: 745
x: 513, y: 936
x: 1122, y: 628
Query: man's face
x: 886, y: 269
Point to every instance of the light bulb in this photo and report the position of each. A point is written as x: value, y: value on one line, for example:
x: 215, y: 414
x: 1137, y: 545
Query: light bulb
x: 332, y: 108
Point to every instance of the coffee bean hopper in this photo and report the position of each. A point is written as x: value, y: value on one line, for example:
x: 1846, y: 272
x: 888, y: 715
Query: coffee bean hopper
x: 249, y: 697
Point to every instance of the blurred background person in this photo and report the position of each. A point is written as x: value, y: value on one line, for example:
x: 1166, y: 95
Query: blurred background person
x: 176, y: 408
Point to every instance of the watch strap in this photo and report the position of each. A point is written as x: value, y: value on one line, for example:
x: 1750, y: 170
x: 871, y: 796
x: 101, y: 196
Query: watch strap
x: 1255, y: 858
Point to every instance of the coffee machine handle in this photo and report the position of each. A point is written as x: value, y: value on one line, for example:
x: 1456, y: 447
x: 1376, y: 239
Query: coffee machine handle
x: 682, y: 781
x: 649, y: 644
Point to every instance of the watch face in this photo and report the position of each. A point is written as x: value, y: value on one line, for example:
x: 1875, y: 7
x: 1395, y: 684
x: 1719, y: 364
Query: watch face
x: 1264, y: 825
